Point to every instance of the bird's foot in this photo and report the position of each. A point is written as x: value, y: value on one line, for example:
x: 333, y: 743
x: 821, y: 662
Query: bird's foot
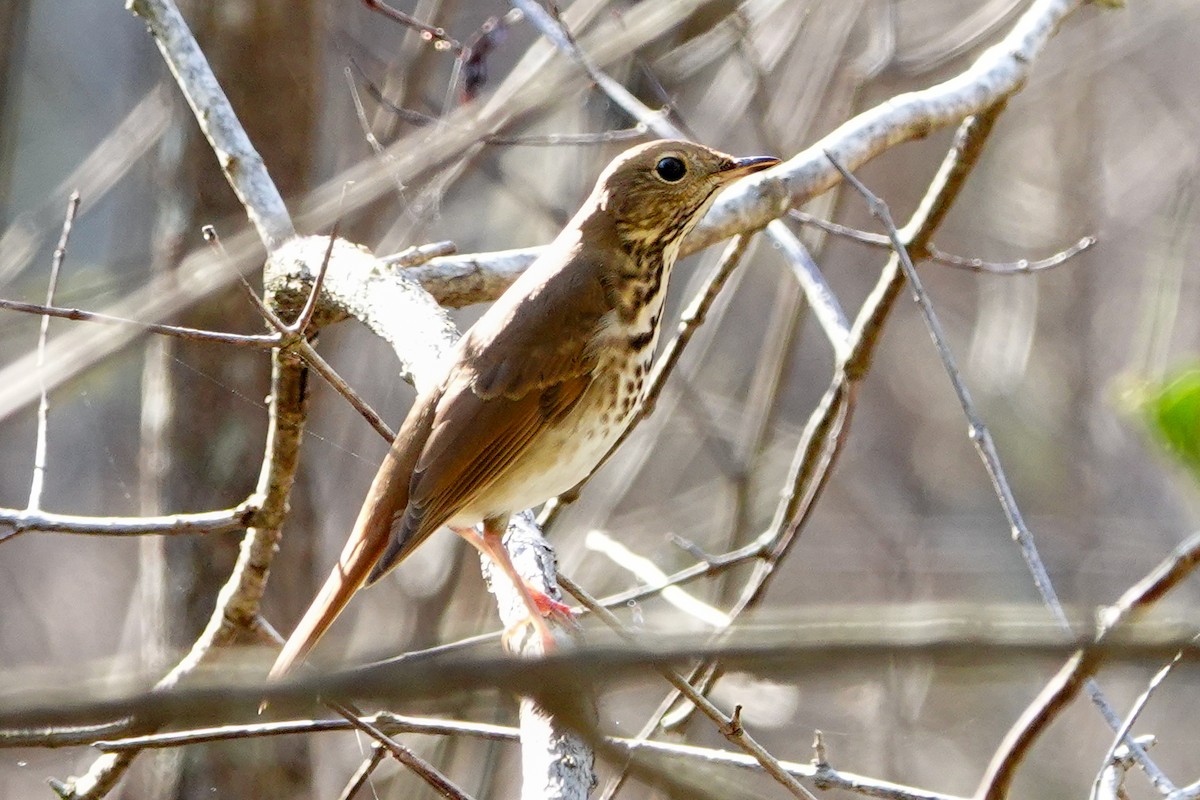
x: 541, y: 607
x: 549, y: 607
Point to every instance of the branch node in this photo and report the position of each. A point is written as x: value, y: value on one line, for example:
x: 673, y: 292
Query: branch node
x: 733, y: 728
x: 820, y: 755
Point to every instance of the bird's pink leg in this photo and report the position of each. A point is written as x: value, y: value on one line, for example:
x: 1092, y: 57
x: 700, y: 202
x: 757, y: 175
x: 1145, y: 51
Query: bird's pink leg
x: 538, y: 603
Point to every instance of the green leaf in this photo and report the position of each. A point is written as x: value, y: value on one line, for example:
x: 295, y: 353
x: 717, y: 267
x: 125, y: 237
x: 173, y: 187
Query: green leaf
x: 1171, y: 410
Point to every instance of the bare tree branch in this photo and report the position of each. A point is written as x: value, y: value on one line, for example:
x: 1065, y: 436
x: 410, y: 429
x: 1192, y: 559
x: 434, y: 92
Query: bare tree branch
x: 232, y: 519
x: 39, y: 457
x: 241, y: 163
x: 1079, y: 669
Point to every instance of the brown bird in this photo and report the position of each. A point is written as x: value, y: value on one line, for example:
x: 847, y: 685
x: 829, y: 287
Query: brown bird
x: 539, y: 389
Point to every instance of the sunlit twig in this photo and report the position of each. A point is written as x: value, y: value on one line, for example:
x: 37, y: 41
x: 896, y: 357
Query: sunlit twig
x: 39, y: 451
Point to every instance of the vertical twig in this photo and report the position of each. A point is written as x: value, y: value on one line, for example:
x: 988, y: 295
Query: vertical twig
x: 39, y: 451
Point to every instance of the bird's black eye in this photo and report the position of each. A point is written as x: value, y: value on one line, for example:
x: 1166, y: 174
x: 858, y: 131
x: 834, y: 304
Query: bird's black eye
x: 670, y: 169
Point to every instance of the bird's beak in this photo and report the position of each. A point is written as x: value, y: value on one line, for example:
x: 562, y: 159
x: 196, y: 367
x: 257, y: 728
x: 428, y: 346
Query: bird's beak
x: 746, y: 166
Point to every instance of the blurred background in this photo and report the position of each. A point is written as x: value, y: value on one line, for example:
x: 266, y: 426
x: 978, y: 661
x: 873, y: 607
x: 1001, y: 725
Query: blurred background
x: 1102, y: 141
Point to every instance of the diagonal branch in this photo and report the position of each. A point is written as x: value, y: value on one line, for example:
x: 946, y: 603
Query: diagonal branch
x: 241, y: 163
x: 981, y: 437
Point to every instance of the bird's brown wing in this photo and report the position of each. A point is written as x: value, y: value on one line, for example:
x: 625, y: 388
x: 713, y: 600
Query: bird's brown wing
x: 474, y: 441
x: 509, y: 383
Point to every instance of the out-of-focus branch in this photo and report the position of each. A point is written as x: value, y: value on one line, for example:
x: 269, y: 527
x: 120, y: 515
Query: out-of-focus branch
x: 822, y: 774
x: 231, y: 696
x: 123, y: 147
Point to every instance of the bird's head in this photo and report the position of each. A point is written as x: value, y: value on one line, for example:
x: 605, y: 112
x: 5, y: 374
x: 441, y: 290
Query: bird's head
x: 656, y: 192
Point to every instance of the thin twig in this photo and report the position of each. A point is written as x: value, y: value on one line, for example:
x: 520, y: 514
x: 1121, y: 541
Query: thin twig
x: 728, y: 726
x: 363, y: 773
x: 426, y: 771
x: 231, y: 519
x: 982, y: 439
x: 293, y: 337
x: 299, y: 326
x: 1112, y: 759
x: 257, y: 341
x: 361, y: 113
x: 646, y: 570
x: 429, y: 33
x: 39, y: 450
x: 285, y: 337
x: 821, y: 773
x: 980, y: 435
x: 1079, y: 668
x: 1021, y: 266
x: 364, y: 124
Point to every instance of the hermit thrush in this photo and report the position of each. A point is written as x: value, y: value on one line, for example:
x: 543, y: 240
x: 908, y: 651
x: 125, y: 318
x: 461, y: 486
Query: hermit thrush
x: 538, y: 390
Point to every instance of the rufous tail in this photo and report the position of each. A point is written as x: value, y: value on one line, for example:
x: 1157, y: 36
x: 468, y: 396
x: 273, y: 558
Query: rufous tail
x: 345, y: 579
x: 369, y: 539
x: 366, y: 544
